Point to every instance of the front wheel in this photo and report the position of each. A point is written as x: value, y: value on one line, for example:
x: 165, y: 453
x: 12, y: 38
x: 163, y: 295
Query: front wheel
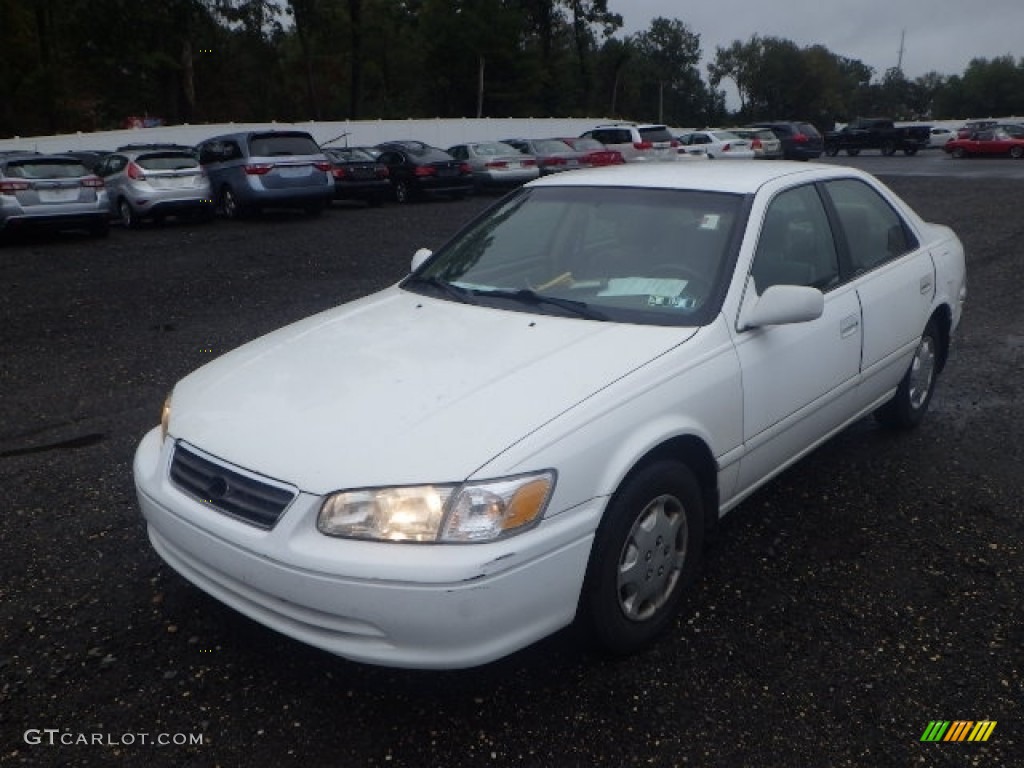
x: 1017, y: 152
x: 852, y: 152
x: 646, y: 550
x: 958, y: 152
x: 888, y: 148
x: 831, y: 151
x: 910, y: 403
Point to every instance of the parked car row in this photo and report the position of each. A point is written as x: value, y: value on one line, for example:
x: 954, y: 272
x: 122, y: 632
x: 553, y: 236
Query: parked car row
x: 242, y: 173
x: 763, y: 141
x: 996, y: 139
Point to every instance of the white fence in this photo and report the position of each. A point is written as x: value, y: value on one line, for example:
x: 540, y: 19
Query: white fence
x: 439, y: 132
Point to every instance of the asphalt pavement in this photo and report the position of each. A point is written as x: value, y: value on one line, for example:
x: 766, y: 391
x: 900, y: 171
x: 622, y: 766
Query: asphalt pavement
x: 871, y: 589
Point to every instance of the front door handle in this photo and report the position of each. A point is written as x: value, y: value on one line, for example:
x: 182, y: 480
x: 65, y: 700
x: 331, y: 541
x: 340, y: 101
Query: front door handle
x: 848, y: 325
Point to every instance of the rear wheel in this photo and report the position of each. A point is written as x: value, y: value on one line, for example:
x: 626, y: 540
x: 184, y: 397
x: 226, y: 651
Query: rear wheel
x: 832, y: 151
x: 910, y: 403
x: 646, y: 550
x: 230, y: 205
x: 1017, y: 152
x: 403, y: 193
x: 888, y: 148
x: 129, y: 218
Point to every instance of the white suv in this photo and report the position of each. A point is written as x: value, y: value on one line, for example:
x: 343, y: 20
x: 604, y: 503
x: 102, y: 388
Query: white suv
x: 637, y: 142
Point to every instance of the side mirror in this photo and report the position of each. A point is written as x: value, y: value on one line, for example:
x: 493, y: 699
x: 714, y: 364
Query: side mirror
x: 782, y: 305
x: 419, y: 257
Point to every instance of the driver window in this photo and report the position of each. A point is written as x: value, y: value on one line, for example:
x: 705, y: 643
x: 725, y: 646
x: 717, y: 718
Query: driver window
x: 795, y: 246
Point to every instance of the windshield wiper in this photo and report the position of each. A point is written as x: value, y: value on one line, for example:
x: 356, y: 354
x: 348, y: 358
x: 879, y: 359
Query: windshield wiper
x: 448, y: 289
x: 526, y: 296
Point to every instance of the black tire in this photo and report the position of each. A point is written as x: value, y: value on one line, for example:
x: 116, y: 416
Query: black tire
x: 852, y: 152
x: 129, y: 218
x: 230, y: 205
x: 831, y: 151
x: 646, y: 551
x: 1017, y: 152
x: 910, y: 151
x: 958, y: 152
x: 403, y: 193
x: 910, y: 403
x: 888, y: 148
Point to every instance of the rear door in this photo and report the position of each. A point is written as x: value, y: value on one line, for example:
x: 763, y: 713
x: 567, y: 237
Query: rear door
x: 894, y: 278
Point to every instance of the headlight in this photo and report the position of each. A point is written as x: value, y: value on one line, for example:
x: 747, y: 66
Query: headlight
x: 165, y: 417
x: 471, y: 512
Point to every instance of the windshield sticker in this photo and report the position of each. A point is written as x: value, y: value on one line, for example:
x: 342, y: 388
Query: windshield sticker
x: 654, y: 287
x: 710, y: 221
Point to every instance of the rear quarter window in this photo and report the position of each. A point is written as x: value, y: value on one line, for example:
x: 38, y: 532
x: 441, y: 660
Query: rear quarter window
x: 660, y: 133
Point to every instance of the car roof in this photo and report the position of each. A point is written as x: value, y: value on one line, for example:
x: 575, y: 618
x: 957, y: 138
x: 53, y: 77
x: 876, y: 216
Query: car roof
x: 738, y: 178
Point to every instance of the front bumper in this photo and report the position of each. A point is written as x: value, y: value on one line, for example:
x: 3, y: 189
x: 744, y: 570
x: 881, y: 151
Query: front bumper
x: 406, y: 605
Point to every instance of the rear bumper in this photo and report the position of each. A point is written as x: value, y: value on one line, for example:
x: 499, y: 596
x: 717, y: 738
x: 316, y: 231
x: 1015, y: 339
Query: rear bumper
x: 55, y: 221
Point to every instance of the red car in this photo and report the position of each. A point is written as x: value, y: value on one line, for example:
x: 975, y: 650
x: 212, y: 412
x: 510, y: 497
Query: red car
x: 595, y: 153
x: 997, y: 141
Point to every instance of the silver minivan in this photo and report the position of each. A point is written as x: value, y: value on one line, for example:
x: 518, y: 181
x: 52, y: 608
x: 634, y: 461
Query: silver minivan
x: 252, y: 170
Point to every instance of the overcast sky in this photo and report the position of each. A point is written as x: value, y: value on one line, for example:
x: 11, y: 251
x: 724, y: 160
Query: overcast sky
x: 941, y: 35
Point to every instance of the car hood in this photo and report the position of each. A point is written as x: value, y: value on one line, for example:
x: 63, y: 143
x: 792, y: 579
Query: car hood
x: 399, y: 388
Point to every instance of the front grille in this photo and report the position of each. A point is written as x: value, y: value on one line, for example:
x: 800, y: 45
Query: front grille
x: 245, y: 496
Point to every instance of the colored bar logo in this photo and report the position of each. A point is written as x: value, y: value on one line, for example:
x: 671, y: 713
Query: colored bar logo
x: 958, y: 730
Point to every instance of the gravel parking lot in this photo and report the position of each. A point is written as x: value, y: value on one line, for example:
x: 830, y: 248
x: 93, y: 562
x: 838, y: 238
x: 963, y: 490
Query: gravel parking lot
x: 869, y: 590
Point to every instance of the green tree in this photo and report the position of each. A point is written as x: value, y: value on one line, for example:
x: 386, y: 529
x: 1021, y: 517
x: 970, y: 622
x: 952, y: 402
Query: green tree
x: 666, y: 65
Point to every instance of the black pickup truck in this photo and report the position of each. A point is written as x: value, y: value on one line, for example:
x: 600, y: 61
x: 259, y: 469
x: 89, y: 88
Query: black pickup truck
x: 877, y: 133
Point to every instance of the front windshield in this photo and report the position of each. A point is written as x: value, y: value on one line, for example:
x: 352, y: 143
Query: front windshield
x: 656, y: 256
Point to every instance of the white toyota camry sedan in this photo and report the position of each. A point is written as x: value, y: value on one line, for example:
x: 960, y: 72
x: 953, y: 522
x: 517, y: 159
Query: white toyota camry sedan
x: 543, y: 421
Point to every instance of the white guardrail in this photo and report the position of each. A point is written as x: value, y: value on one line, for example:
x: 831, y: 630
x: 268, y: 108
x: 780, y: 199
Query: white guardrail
x: 440, y: 132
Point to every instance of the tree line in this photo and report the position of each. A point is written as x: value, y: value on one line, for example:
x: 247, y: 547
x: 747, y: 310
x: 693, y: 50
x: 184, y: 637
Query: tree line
x: 68, y: 65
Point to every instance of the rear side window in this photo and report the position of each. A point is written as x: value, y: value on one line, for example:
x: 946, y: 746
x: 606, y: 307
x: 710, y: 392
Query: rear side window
x: 874, y: 232
x: 42, y: 168
x: 283, y: 144
x: 808, y: 130
x: 167, y: 161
